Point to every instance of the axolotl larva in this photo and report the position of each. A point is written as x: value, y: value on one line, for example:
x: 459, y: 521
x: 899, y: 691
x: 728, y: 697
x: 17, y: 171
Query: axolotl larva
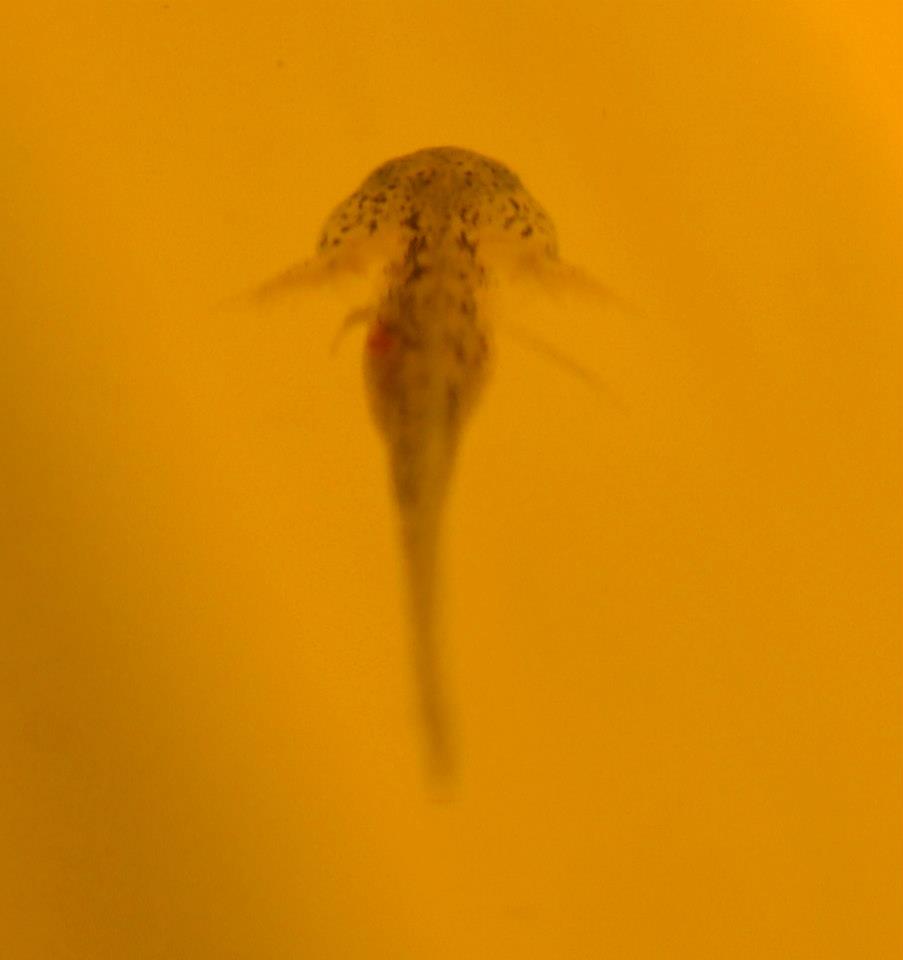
x: 436, y: 226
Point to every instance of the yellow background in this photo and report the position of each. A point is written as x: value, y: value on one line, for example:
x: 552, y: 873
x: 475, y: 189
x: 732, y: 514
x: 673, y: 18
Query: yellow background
x: 674, y: 633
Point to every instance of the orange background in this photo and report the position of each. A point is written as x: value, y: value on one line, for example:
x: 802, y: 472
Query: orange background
x: 674, y: 633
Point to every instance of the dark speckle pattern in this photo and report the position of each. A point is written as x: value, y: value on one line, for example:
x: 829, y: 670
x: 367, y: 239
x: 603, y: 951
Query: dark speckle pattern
x: 449, y: 188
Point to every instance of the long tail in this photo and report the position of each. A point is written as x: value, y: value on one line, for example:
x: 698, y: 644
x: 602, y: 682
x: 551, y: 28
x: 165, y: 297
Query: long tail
x: 421, y: 531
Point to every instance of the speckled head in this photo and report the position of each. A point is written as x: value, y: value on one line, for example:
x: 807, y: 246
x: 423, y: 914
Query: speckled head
x: 440, y: 193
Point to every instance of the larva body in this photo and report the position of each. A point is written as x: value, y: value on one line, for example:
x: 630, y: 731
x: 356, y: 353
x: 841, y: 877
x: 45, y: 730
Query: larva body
x: 437, y: 225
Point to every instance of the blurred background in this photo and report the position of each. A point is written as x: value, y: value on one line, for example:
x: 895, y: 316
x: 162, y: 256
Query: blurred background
x: 673, y: 630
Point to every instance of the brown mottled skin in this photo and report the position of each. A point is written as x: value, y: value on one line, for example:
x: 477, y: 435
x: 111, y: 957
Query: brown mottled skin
x: 438, y: 222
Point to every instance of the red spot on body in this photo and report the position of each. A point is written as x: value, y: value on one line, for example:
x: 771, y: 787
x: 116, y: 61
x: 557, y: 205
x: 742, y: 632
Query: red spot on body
x: 380, y: 340
x: 382, y: 361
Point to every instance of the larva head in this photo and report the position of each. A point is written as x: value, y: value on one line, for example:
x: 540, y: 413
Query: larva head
x: 439, y: 205
x: 440, y: 192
